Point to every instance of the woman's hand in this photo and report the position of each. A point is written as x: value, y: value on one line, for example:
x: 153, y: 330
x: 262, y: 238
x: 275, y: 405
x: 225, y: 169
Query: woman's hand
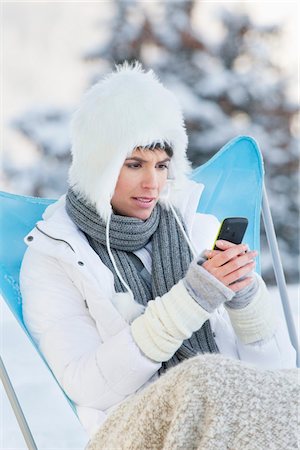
x: 231, y: 265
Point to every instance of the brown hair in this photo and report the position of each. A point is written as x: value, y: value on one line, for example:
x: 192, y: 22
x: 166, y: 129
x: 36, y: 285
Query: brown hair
x: 158, y: 146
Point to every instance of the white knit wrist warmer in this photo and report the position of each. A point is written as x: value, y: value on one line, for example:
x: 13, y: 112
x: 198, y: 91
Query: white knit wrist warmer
x: 257, y: 321
x: 167, y: 322
x: 206, y: 289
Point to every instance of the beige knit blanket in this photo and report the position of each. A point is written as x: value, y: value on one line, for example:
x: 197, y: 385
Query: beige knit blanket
x: 207, y: 402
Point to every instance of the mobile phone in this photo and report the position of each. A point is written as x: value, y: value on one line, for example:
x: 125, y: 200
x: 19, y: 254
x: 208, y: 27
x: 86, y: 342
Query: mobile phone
x: 232, y: 229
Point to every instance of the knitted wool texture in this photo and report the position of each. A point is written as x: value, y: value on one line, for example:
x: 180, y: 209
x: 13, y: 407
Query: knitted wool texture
x: 208, y: 402
x: 171, y: 257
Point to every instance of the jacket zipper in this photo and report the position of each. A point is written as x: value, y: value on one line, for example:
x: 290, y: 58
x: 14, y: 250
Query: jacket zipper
x: 61, y: 240
x: 55, y: 239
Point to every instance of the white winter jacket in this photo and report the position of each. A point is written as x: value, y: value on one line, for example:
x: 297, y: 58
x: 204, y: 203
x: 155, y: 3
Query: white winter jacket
x: 68, y: 309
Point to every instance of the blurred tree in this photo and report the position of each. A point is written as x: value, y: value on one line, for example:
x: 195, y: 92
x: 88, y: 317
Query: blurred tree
x: 226, y: 88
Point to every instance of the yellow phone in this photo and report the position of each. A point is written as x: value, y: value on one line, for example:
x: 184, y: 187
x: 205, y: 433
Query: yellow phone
x: 232, y: 229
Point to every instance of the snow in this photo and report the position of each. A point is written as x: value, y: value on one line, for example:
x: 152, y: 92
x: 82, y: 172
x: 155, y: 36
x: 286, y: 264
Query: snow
x: 52, y: 71
x: 48, y: 126
x: 51, y: 419
x: 228, y: 81
x: 194, y: 107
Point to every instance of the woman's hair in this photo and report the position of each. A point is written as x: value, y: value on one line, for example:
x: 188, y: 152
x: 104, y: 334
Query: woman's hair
x: 158, y: 146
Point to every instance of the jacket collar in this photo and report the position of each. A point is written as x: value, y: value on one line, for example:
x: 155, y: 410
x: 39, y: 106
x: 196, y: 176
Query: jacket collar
x: 58, y: 226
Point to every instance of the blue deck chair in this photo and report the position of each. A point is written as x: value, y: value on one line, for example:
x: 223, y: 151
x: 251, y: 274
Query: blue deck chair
x: 234, y: 186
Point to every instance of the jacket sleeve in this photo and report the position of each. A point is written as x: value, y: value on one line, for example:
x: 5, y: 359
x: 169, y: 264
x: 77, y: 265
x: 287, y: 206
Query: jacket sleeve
x: 93, y: 373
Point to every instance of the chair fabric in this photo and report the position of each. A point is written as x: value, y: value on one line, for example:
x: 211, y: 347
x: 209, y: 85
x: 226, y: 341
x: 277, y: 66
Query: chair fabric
x: 233, y: 181
x: 18, y: 215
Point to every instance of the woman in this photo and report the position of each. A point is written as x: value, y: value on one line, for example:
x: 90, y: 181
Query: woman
x: 114, y: 290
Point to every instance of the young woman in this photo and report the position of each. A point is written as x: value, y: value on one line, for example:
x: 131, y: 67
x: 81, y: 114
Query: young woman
x: 114, y: 289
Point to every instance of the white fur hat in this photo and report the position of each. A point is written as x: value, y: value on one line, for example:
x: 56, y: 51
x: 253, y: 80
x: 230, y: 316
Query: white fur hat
x: 129, y: 108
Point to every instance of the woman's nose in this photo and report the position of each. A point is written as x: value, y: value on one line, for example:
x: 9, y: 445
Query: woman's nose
x: 150, y: 180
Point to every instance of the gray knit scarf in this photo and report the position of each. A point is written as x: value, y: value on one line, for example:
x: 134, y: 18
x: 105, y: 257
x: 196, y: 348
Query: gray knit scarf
x: 171, y: 257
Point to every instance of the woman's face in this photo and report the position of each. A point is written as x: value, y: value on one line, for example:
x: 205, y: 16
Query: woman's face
x: 141, y: 179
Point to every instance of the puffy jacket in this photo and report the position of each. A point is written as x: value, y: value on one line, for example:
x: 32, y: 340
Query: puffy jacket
x: 68, y: 307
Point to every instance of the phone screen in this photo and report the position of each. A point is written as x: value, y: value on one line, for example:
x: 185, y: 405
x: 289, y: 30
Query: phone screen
x: 232, y: 229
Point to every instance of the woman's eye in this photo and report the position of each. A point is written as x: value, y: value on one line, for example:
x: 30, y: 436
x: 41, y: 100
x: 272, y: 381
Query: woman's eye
x: 163, y: 166
x: 133, y: 165
x: 137, y: 165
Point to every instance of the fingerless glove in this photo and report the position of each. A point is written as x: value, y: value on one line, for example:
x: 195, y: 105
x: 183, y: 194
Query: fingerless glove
x: 205, y: 289
x: 172, y: 318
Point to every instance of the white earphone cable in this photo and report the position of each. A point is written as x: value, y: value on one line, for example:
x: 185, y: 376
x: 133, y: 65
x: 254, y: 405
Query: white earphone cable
x: 113, y: 259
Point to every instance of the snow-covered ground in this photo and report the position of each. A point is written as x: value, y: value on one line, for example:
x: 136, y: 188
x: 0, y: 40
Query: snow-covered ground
x: 53, y: 423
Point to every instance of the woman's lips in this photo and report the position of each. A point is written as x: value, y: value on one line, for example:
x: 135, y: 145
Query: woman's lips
x: 144, y: 202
